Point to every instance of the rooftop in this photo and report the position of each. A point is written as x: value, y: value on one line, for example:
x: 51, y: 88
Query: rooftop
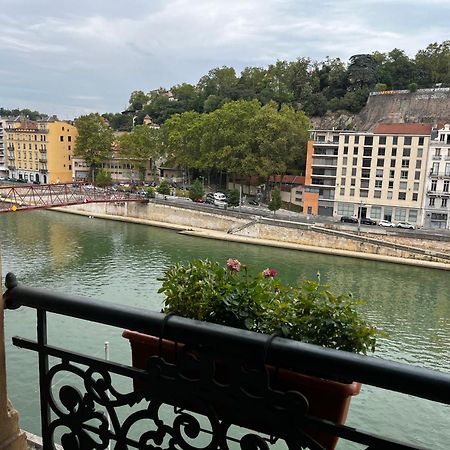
x: 423, y: 129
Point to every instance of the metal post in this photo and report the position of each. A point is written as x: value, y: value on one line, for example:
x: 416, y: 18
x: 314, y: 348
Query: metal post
x: 359, y: 217
x: 43, y: 370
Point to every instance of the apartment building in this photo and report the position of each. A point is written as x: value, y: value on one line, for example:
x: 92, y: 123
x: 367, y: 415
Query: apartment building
x: 437, y: 195
x: 381, y: 175
x: 3, y: 161
x: 40, y: 151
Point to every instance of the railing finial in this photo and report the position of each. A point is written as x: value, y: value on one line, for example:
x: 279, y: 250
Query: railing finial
x: 10, y: 280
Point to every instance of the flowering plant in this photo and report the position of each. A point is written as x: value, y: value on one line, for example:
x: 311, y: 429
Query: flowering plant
x: 205, y: 290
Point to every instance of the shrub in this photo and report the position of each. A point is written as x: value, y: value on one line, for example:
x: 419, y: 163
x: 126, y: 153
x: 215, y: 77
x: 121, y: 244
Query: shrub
x: 205, y: 290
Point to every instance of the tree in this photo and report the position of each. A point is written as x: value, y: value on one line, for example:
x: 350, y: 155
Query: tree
x: 138, y: 100
x: 94, y: 141
x: 141, y: 145
x: 103, y: 178
x: 233, y: 198
x: 362, y: 71
x: 164, y: 188
x: 275, y: 202
x: 196, y: 190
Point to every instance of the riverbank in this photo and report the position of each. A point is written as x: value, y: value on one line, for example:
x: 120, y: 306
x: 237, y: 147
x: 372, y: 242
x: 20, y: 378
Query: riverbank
x: 235, y: 227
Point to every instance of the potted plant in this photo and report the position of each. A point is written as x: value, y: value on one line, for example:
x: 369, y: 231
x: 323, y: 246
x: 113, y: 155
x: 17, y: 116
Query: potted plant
x: 231, y: 296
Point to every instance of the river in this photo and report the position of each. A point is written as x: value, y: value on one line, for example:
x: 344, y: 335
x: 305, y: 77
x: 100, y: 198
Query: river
x: 121, y: 263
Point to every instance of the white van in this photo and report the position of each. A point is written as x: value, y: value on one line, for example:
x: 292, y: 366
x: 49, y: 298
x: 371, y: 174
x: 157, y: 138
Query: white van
x: 220, y: 196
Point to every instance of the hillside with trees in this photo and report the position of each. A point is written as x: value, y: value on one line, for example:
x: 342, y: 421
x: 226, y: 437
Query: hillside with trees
x: 313, y: 87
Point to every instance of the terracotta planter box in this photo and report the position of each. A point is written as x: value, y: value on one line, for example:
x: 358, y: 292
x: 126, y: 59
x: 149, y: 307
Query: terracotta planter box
x: 328, y: 400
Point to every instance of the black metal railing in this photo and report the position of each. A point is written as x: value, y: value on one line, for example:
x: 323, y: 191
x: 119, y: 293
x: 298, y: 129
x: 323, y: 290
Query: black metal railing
x: 211, y: 385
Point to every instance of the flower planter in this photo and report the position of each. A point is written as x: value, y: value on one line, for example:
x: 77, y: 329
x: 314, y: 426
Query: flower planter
x: 328, y: 400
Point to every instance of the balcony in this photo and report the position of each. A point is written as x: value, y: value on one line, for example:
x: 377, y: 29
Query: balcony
x: 80, y: 412
x: 435, y: 193
x: 440, y: 174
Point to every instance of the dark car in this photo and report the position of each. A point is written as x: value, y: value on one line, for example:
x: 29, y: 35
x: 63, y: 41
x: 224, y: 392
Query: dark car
x: 349, y: 219
x: 368, y: 221
x: 253, y: 202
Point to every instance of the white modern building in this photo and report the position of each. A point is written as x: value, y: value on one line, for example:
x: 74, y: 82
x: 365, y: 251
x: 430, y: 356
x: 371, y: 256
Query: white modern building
x: 437, y: 198
x: 3, y: 162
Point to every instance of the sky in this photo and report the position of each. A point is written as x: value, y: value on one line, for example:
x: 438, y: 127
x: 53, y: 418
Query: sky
x: 72, y: 58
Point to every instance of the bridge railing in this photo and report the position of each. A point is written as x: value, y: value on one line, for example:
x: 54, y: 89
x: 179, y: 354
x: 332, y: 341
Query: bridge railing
x: 91, y: 414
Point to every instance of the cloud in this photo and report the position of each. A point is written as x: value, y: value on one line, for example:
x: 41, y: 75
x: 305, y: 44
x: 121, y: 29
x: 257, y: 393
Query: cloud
x: 98, y: 52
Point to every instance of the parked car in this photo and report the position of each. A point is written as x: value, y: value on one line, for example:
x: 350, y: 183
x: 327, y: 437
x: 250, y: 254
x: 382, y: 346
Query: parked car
x: 368, y: 221
x: 385, y: 223
x: 198, y: 200
x: 253, y: 202
x: 406, y: 225
x: 349, y: 219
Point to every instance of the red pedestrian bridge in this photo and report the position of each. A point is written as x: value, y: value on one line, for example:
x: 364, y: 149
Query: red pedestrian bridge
x: 35, y: 196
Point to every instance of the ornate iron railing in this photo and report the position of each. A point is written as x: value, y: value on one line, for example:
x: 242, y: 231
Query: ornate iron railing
x: 210, y: 384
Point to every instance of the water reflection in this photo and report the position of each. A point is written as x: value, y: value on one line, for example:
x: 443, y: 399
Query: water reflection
x: 121, y: 263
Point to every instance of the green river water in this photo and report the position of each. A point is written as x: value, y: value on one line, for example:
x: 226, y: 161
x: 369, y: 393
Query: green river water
x: 121, y: 263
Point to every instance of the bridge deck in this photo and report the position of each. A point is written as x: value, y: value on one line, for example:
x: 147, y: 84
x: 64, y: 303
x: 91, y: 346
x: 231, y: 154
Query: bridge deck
x: 31, y: 196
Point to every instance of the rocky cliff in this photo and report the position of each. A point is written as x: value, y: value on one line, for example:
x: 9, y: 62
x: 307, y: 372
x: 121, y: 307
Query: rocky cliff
x: 424, y: 106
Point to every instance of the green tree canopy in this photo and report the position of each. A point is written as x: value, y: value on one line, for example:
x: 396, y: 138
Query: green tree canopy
x: 275, y: 201
x: 94, y: 140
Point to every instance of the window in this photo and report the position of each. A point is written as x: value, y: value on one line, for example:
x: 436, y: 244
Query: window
x: 406, y: 152
x: 363, y: 193
x: 344, y: 160
x: 405, y: 163
x: 394, y: 152
x: 392, y: 162
x: 367, y: 151
x: 346, y: 150
x: 417, y: 176
x: 391, y: 173
x: 364, y: 184
x: 365, y: 173
x: 391, y: 185
x: 446, y: 185
x: 366, y: 162
x: 375, y: 212
x: 355, y: 150
x: 352, y: 182
x: 389, y: 195
x: 377, y: 194
x: 407, y: 140
x: 380, y: 162
x: 404, y: 174
x: 419, y: 152
x: 437, y: 152
x: 381, y: 151
x: 345, y: 209
x: 403, y: 185
x: 435, y: 168
x: 61, y: 138
x: 395, y: 140
x: 378, y: 184
x: 344, y: 171
x: 382, y: 140
x: 421, y: 141
x: 355, y: 161
x: 447, y: 169
x: 354, y: 172
x: 69, y: 138
x: 433, y: 185
x: 412, y: 215
x: 70, y: 166
x: 352, y: 192
x: 416, y: 187
x: 402, y: 195
x: 342, y: 181
x: 400, y: 214
x: 418, y: 164
x: 431, y: 202
x: 368, y: 140
x: 379, y: 173
x: 415, y: 196
x: 356, y: 139
x: 444, y: 203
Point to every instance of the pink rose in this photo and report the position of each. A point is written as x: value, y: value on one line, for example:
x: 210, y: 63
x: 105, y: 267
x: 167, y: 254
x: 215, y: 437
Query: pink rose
x: 234, y: 264
x: 270, y: 272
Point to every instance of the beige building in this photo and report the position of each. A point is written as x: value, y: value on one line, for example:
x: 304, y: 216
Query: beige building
x: 381, y: 175
x: 40, y: 151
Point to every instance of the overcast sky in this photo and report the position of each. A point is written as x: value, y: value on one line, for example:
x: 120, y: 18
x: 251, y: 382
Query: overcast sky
x: 70, y: 58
